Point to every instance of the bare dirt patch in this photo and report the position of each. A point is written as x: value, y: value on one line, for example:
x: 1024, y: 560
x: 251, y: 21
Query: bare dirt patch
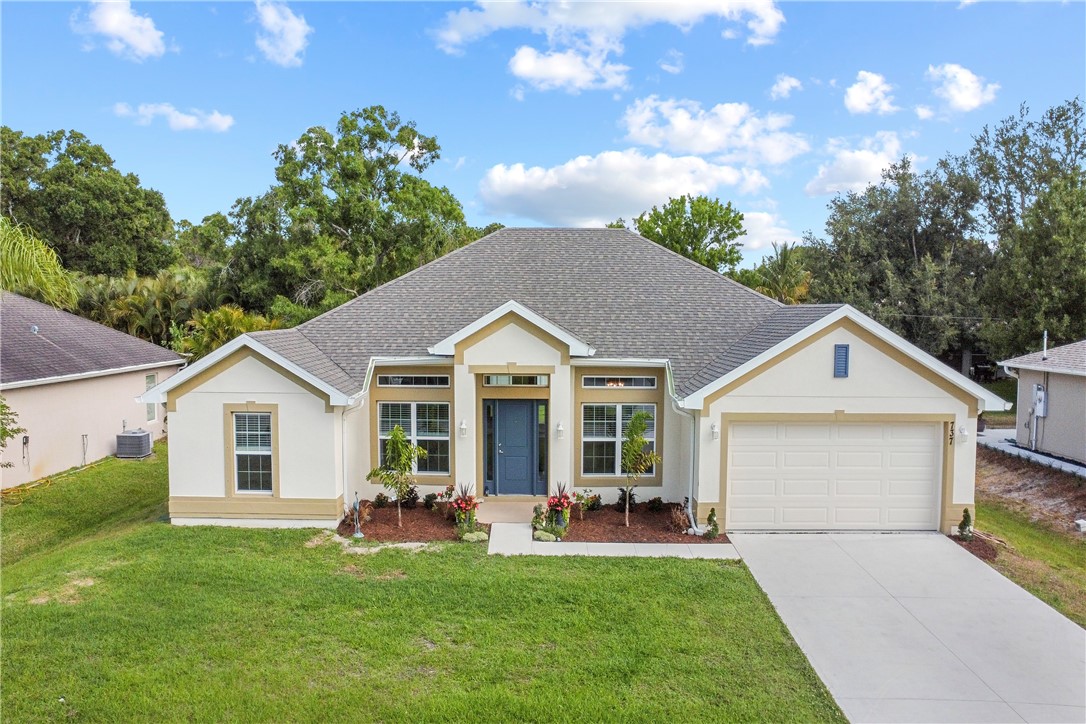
x: 1050, y: 496
x: 68, y: 594
x: 607, y: 525
x: 363, y: 575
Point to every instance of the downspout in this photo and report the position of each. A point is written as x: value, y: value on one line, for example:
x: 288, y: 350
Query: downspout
x: 693, y: 447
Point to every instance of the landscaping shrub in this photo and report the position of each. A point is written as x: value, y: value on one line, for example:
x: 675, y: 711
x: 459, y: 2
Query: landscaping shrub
x: 429, y: 501
x: 595, y: 502
x: 680, y: 521
x: 620, y: 506
x: 712, y: 528
x: 965, y: 528
x: 655, y: 505
x: 411, y: 498
x: 381, y: 500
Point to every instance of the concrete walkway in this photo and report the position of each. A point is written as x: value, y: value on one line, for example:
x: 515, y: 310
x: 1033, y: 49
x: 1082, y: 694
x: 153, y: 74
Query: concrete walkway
x: 515, y: 539
x: 912, y: 628
x: 1002, y: 439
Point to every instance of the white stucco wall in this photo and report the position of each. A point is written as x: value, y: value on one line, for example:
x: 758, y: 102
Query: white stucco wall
x: 804, y: 383
x: 57, y: 416
x: 309, y: 441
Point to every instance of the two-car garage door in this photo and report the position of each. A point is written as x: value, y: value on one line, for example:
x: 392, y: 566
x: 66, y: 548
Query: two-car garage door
x: 833, y: 476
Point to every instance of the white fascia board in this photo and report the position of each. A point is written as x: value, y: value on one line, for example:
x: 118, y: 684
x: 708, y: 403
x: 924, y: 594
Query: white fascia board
x: 619, y: 362
x: 158, y: 392
x: 1045, y: 368
x: 987, y: 400
x: 577, y: 347
x: 89, y: 375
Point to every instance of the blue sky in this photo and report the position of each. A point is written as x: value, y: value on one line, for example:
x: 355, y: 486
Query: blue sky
x: 548, y: 114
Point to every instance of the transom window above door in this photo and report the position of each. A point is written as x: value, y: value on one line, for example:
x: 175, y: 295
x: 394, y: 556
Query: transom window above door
x: 516, y: 380
x: 644, y: 383
x: 425, y: 424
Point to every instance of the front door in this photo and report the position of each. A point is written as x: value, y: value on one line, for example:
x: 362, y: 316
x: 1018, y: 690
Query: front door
x: 515, y: 437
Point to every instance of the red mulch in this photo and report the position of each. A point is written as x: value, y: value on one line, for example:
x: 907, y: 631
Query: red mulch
x: 979, y: 547
x: 607, y: 525
x: 419, y: 525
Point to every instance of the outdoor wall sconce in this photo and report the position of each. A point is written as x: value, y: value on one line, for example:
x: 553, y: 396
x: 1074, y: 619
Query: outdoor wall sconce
x: 963, y: 432
x: 463, y: 428
x: 715, y: 429
x: 560, y: 431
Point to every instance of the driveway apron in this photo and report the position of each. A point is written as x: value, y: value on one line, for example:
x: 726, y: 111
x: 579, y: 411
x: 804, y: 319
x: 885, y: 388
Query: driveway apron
x: 913, y: 628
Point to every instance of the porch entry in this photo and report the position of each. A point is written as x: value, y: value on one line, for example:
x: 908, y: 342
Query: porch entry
x: 515, y: 453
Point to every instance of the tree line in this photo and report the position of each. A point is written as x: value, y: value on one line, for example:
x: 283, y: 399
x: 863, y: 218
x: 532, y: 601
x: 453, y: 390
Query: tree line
x: 982, y: 252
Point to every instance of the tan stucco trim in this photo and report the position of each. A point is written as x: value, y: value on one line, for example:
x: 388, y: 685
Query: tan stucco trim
x: 727, y: 418
x: 380, y: 394
x: 501, y: 323
x: 255, y: 506
x: 867, y: 337
x: 229, y: 361
x: 228, y: 448
x: 511, y: 369
x: 633, y: 395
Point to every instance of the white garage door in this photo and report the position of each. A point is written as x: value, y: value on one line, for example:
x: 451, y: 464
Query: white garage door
x: 833, y: 476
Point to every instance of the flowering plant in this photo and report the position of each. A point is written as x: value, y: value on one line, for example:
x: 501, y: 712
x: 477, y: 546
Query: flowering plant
x: 464, y: 506
x: 559, y: 503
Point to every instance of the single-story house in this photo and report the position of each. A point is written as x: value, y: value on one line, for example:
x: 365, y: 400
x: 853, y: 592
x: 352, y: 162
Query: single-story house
x: 516, y: 362
x: 73, y: 384
x: 1051, y: 412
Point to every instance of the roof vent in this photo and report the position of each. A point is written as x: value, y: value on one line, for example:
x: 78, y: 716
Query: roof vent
x: 134, y: 444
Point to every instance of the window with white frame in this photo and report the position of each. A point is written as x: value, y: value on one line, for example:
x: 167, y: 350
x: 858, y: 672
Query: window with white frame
x: 425, y: 424
x: 601, y: 436
x: 412, y: 380
x: 150, y: 381
x: 253, y: 452
x: 647, y: 383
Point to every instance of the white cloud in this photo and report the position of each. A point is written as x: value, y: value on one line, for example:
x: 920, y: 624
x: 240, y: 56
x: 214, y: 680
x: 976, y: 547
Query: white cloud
x: 126, y: 34
x: 194, y: 120
x: 583, y: 37
x: 569, y: 70
x: 924, y: 112
x: 870, y: 93
x: 733, y: 130
x: 672, y: 62
x: 853, y: 169
x: 284, y: 35
x: 593, y: 190
x: 764, y: 228
x: 784, y: 86
x: 961, y: 88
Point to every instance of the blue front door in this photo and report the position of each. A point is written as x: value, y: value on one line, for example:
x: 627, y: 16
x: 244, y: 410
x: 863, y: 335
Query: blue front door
x: 515, y: 433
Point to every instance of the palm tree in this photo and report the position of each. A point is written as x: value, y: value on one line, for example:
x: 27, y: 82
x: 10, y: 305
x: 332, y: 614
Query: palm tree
x: 782, y: 275
x: 30, y: 266
x: 207, y: 331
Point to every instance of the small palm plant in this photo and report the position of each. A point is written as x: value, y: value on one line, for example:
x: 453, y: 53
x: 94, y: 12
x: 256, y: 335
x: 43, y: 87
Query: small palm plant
x: 399, y: 462
x: 637, y: 458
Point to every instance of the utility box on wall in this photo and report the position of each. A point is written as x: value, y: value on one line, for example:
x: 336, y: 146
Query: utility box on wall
x: 1040, y: 401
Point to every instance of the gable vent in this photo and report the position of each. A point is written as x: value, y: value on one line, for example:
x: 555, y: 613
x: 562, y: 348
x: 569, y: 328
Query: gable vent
x: 840, y: 360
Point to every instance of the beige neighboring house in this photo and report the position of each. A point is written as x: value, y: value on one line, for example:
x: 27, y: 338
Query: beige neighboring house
x: 518, y: 360
x: 74, y: 384
x: 1052, y: 400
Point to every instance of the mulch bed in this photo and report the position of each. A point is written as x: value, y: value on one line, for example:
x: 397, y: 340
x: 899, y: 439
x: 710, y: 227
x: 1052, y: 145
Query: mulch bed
x: 419, y: 524
x: 607, y: 525
x: 979, y: 547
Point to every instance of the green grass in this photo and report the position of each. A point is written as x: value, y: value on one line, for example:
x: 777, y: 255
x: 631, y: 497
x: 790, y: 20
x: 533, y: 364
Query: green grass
x: 1049, y: 564
x: 1007, y: 388
x: 142, y: 620
x: 104, y: 497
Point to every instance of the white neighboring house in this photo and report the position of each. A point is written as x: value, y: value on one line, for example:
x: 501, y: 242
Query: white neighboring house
x: 74, y: 384
x: 1051, y: 412
x: 517, y: 361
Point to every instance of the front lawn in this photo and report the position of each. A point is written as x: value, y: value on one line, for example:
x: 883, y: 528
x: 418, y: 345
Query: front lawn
x: 144, y: 621
x: 1049, y: 564
x: 1007, y: 388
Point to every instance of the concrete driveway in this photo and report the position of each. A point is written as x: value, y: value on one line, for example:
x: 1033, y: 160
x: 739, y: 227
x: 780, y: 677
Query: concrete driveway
x: 912, y: 628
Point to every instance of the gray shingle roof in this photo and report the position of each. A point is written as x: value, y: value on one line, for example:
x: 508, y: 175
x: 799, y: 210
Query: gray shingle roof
x: 64, y: 344
x: 1071, y: 357
x: 619, y: 292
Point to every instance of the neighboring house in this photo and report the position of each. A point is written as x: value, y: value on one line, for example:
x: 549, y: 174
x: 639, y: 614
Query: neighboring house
x: 1052, y: 400
x: 74, y: 385
x: 516, y: 362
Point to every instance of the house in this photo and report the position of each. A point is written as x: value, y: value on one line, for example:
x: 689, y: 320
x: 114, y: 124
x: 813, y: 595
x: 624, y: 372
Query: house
x: 73, y: 384
x: 1051, y: 415
x: 516, y: 361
